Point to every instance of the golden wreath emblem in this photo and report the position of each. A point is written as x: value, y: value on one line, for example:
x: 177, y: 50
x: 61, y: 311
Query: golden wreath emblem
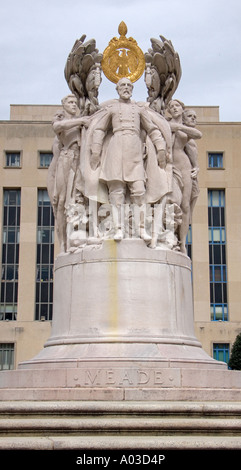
x: 123, y: 58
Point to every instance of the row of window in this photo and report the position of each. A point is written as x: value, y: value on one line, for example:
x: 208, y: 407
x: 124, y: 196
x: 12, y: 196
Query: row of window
x: 13, y: 159
x: 45, y: 258
x: 217, y: 255
x: 221, y: 352
x: 10, y: 256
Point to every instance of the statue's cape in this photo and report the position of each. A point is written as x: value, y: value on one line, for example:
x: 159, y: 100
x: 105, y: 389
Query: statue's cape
x: 159, y: 181
x: 51, y: 183
x: 88, y: 180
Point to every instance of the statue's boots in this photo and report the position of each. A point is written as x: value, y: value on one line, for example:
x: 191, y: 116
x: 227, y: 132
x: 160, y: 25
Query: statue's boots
x: 118, y: 223
x: 139, y: 221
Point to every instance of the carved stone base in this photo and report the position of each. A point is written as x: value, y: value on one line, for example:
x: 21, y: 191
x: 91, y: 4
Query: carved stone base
x: 119, y: 303
x: 130, y: 383
x: 122, y: 330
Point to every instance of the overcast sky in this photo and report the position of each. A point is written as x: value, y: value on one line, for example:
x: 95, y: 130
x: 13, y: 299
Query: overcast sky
x: 37, y: 35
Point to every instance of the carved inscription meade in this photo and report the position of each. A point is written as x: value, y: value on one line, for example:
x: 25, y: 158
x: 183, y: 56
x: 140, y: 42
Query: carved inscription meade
x: 120, y: 377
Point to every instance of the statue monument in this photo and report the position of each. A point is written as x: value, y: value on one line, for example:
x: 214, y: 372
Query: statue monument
x: 123, y: 184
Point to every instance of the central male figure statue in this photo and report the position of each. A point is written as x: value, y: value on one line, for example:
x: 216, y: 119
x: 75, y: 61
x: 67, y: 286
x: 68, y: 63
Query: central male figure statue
x: 122, y: 163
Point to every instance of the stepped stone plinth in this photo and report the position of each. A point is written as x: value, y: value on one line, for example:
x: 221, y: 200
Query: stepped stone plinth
x: 122, y: 330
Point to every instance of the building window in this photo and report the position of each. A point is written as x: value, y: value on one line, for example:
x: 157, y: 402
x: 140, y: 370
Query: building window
x: 6, y: 356
x: 45, y: 258
x: 215, y: 160
x: 10, y: 254
x: 217, y: 255
x: 45, y: 159
x: 221, y: 352
x: 13, y: 159
x: 189, y: 242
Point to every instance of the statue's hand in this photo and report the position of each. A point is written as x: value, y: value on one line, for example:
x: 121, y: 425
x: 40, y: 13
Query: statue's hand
x: 85, y: 121
x: 94, y: 161
x: 161, y: 158
x: 194, y: 172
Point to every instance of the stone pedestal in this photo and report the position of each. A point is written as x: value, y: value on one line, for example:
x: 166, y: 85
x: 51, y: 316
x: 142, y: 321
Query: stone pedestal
x: 120, y: 304
x: 122, y: 329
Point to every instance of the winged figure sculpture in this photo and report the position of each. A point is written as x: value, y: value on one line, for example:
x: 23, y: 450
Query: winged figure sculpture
x: 83, y: 74
x: 162, y: 74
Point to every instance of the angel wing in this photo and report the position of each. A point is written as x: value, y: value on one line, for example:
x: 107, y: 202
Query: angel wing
x: 163, y: 71
x: 83, y: 73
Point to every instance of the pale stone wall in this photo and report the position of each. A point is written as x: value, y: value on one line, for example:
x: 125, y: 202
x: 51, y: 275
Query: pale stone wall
x: 226, y: 138
x: 33, y: 112
x: 29, y: 138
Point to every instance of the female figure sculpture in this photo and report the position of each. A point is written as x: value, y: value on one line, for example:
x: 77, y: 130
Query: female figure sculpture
x: 181, y: 135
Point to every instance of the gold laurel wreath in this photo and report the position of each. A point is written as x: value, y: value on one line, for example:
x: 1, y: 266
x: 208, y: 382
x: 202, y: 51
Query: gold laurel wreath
x: 123, y: 58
